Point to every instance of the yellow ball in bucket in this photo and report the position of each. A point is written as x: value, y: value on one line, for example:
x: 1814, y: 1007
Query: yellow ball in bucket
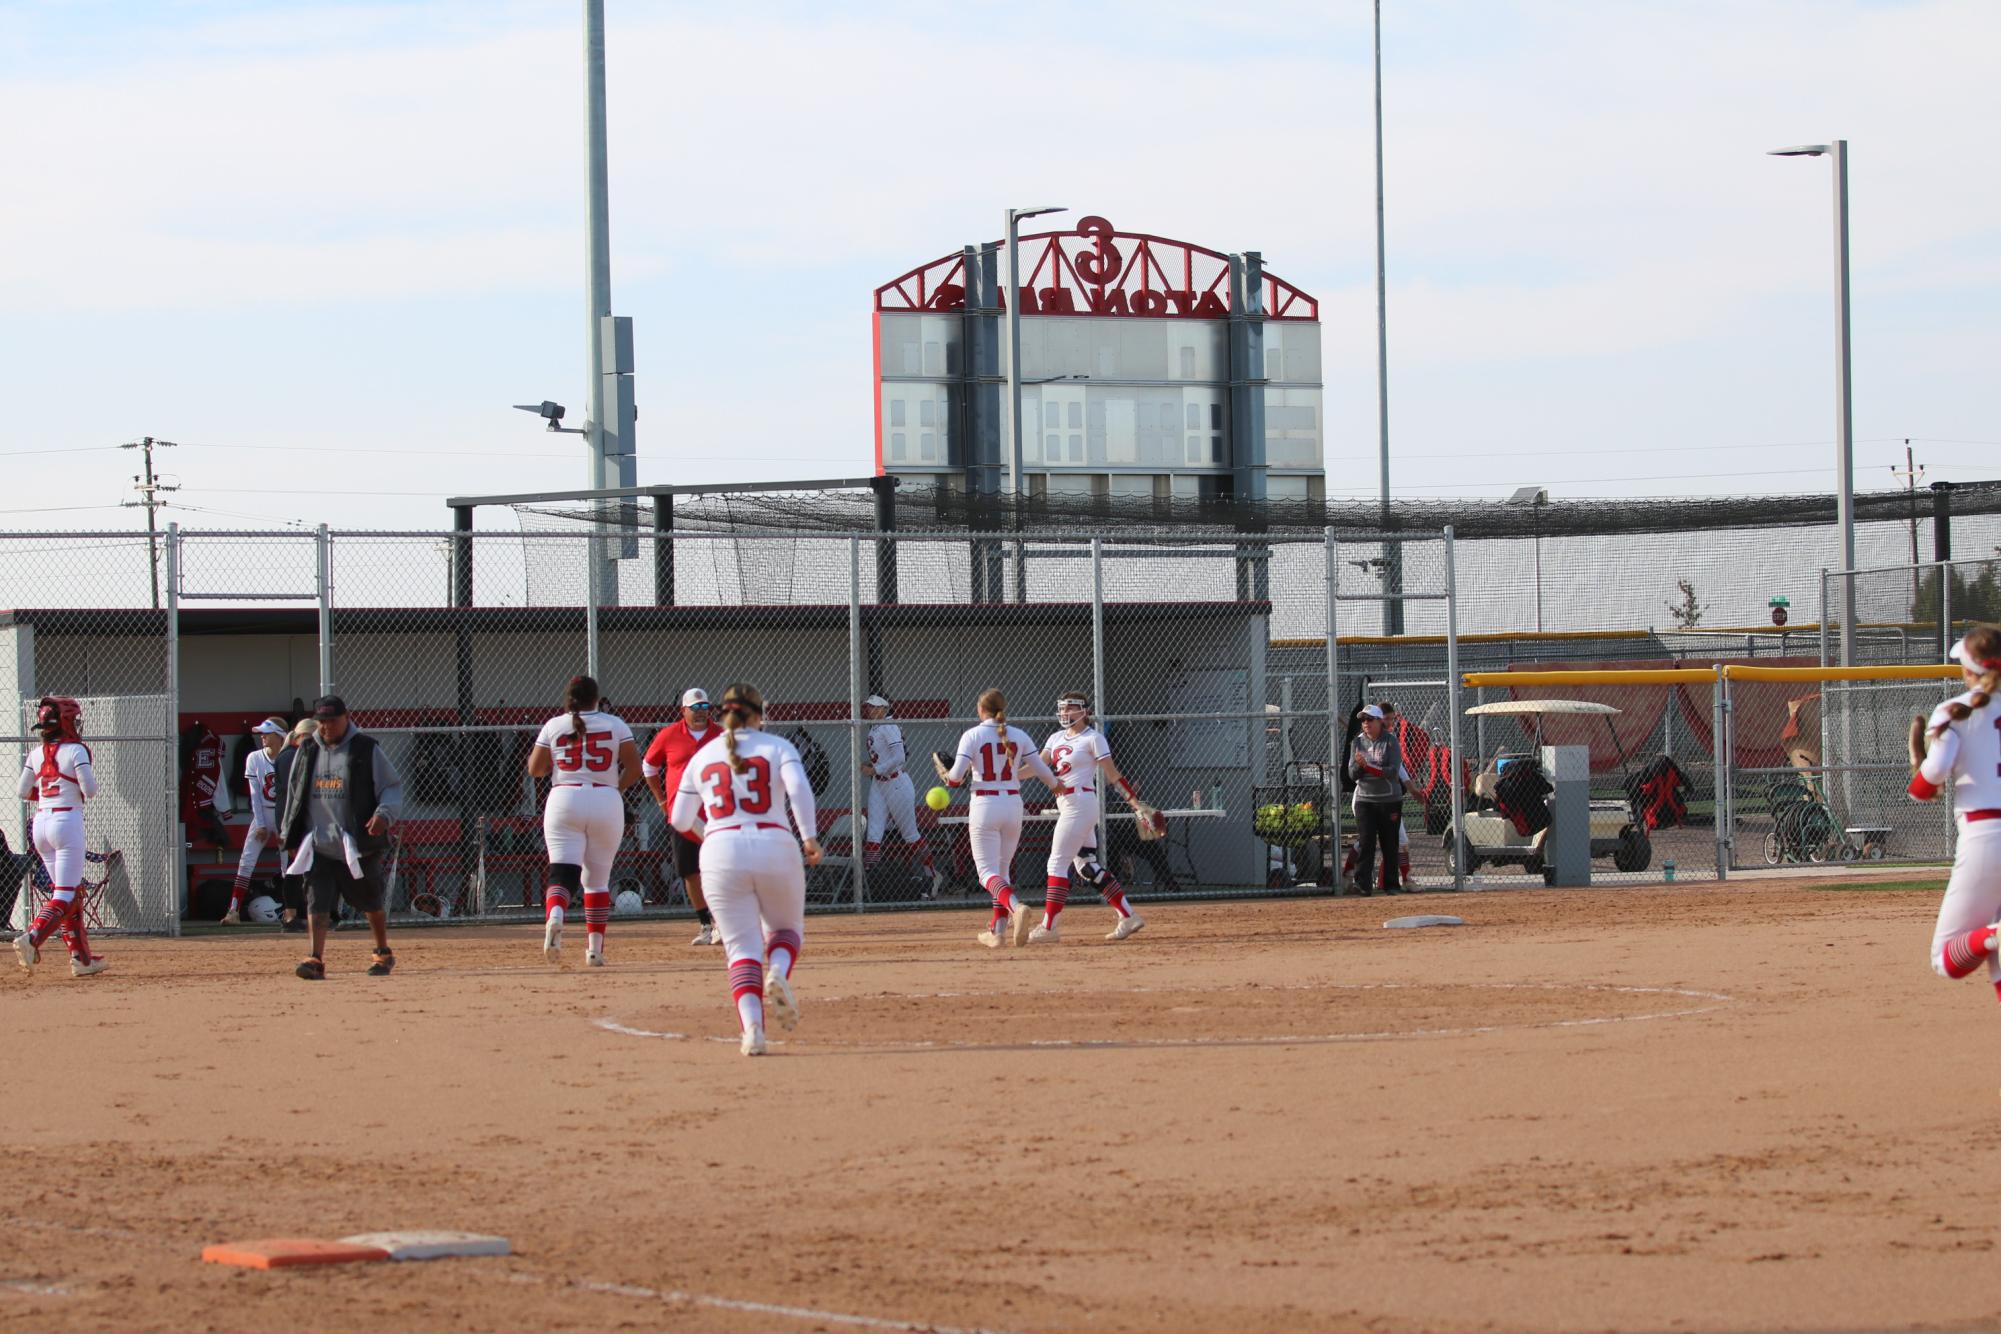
x: 937, y: 798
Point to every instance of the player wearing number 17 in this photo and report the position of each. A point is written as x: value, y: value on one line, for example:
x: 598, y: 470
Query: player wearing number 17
x: 736, y: 791
x: 589, y: 757
x: 991, y: 756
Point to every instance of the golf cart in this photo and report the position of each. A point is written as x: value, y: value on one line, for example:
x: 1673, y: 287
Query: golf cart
x: 1508, y: 816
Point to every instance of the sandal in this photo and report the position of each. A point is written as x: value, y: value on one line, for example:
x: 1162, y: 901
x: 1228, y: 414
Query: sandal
x: 312, y: 970
x: 382, y: 962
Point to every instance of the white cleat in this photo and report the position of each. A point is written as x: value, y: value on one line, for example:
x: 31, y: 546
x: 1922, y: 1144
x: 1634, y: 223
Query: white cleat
x: 1043, y: 934
x: 781, y: 1007
x: 708, y: 936
x: 234, y: 917
x: 989, y: 937
x: 937, y: 884
x: 81, y: 968
x: 1129, y: 925
x: 1019, y: 922
x: 594, y: 951
x: 552, y: 943
x: 753, y: 1042
x: 25, y: 951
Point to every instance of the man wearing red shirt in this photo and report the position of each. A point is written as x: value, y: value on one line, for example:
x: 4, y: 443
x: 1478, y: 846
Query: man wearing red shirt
x: 673, y: 746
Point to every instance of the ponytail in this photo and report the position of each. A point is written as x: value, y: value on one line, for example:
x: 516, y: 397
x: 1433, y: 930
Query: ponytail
x: 580, y: 694
x: 994, y: 704
x: 1981, y: 648
x: 742, y: 703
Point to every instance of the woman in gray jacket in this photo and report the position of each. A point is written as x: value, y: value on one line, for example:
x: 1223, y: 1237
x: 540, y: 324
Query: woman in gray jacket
x: 1379, y: 780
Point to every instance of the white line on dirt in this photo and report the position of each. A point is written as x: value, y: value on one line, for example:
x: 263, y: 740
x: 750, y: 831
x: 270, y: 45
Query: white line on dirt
x: 676, y: 1297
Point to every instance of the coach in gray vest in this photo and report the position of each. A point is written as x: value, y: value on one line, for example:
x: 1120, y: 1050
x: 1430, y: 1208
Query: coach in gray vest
x: 340, y: 800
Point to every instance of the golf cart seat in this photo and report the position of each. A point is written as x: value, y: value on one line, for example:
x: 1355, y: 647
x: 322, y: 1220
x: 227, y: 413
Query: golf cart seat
x: 1520, y: 787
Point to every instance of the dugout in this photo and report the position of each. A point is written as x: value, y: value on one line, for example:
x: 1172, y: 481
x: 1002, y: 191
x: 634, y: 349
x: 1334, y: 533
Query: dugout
x: 457, y: 694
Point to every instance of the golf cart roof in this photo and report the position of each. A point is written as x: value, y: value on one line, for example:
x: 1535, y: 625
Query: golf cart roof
x: 1529, y: 706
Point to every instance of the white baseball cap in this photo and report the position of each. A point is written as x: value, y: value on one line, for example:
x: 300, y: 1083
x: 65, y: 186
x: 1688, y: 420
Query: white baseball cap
x: 877, y: 701
x: 1372, y: 711
x: 694, y: 697
x: 269, y: 728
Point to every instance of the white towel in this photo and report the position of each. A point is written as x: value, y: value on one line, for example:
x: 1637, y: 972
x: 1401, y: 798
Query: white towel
x: 303, y: 862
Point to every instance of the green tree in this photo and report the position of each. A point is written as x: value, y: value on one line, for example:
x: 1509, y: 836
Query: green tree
x: 1976, y: 594
x: 1687, y: 613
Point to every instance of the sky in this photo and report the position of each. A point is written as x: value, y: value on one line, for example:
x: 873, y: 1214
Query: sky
x: 324, y: 247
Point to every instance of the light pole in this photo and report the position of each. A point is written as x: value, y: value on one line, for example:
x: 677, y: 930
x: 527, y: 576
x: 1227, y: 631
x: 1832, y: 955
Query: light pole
x: 1392, y: 606
x: 1014, y: 217
x: 1844, y: 444
x: 1537, y: 497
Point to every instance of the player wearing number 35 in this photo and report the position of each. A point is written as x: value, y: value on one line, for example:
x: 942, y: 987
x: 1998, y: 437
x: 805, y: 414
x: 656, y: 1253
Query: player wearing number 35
x: 735, y: 792
x: 589, y: 757
x: 1960, y: 747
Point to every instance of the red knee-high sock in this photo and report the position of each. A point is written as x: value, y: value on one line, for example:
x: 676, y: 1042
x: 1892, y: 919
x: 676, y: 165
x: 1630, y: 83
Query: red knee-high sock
x: 1057, y: 894
x: 555, y: 902
x: 1003, y: 896
x: 747, y: 991
x: 1115, y: 894
x: 781, y: 950
x: 871, y: 854
x: 1403, y: 864
x: 597, y: 910
x: 238, y: 890
x: 1965, y: 952
x: 52, y: 915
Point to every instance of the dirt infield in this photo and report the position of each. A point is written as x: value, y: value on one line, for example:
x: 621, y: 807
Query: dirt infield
x: 1693, y: 1107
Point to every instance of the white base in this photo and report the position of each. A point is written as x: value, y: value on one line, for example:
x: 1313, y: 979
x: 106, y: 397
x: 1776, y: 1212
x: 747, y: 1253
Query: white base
x: 431, y: 1245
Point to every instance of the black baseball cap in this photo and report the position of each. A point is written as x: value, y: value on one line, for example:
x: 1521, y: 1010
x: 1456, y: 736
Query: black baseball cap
x: 329, y: 706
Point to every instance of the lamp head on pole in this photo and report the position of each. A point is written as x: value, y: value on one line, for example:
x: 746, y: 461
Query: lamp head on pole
x: 1801, y: 150
x: 1017, y: 214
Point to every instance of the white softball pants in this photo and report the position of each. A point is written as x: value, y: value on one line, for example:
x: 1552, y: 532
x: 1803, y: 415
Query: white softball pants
x: 755, y: 882
x: 1076, y: 829
x: 993, y: 824
x: 255, y: 839
x: 892, y: 802
x: 1973, y: 894
x: 583, y: 824
x: 59, y: 839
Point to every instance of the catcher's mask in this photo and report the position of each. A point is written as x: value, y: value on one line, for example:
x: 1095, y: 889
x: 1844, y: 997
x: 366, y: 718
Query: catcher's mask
x: 59, y: 716
x: 1071, y: 709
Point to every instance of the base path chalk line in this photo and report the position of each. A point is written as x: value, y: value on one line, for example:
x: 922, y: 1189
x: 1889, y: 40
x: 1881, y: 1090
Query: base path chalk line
x: 32, y: 1289
x: 1718, y: 1000
x: 674, y: 1296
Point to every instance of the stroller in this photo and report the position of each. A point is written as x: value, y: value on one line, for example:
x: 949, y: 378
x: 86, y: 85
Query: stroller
x: 1803, y: 828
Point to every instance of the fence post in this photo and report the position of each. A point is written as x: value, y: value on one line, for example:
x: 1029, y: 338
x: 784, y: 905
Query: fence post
x: 1335, y: 759
x: 177, y: 861
x: 1946, y: 636
x: 1098, y: 676
x: 1823, y: 616
x: 1452, y: 685
x: 1723, y: 772
x: 857, y: 808
x: 592, y: 596
x: 325, y: 543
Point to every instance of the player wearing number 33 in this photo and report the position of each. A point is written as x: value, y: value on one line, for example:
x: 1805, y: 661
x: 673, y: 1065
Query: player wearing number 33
x: 991, y: 756
x: 735, y: 792
x: 589, y: 757
x: 1077, y: 755
x: 57, y: 777
x: 1960, y: 747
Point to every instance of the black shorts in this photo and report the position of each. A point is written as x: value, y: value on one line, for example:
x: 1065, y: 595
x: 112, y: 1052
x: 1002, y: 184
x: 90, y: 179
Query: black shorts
x: 687, y: 855
x: 329, y: 879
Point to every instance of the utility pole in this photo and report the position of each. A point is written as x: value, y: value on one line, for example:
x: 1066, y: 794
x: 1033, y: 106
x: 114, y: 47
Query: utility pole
x: 149, y: 497
x: 1911, y: 472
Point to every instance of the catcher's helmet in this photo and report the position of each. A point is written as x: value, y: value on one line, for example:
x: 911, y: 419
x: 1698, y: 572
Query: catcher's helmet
x: 59, y: 716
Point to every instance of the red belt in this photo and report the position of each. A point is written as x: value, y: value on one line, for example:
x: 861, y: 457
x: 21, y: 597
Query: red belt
x: 889, y: 778
x: 1076, y: 791
x: 65, y: 810
x: 997, y: 792
x: 1982, y: 815
x: 732, y: 828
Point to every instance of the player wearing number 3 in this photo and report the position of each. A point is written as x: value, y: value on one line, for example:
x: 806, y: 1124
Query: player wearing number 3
x: 260, y: 775
x: 990, y: 755
x: 1077, y: 755
x: 735, y: 792
x: 1960, y: 747
x: 57, y: 777
x: 590, y: 757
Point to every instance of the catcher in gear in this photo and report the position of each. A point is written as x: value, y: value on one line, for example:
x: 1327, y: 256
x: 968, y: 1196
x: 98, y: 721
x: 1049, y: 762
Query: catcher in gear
x: 1079, y: 754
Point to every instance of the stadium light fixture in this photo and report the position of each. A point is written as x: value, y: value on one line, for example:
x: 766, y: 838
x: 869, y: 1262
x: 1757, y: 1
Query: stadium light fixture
x: 552, y: 412
x: 1844, y: 434
x: 1014, y: 481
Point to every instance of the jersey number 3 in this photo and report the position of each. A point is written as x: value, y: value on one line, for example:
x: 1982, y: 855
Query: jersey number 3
x: 720, y: 780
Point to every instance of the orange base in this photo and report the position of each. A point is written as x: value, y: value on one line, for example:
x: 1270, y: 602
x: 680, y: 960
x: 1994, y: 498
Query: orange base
x: 283, y: 1252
